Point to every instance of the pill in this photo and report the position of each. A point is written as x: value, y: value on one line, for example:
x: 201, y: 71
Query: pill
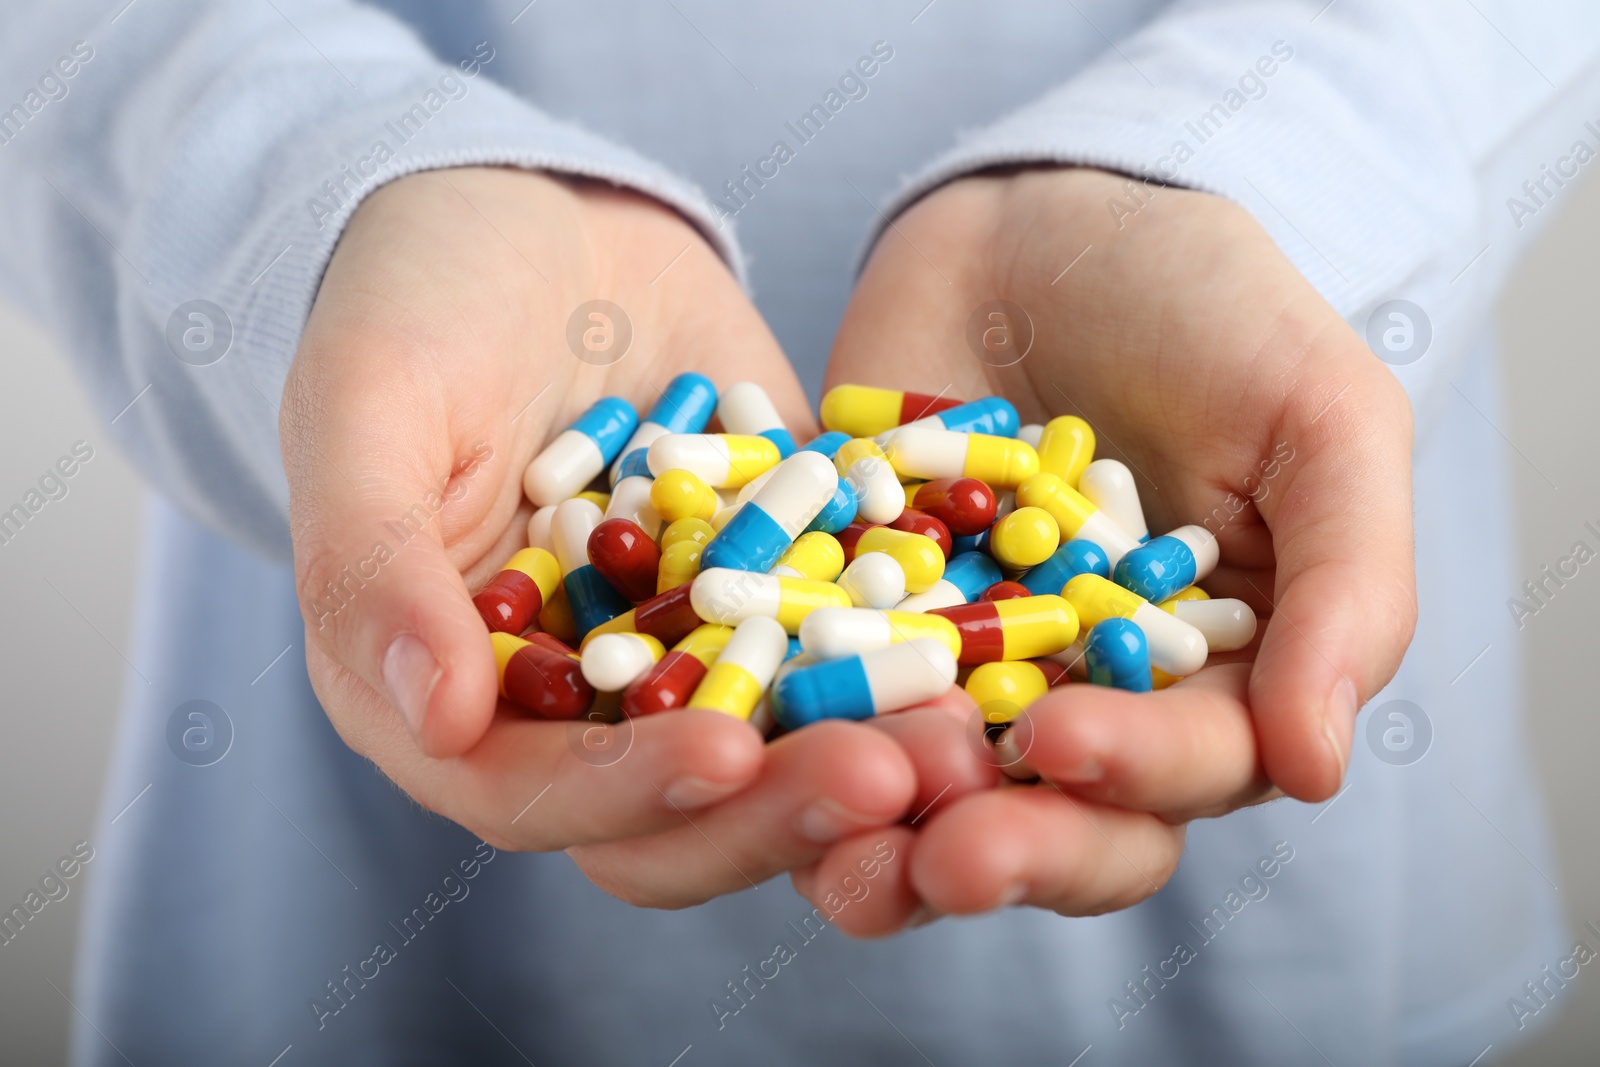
x: 872, y: 683
x: 1193, y: 592
x: 730, y: 597
x: 1066, y: 563
x: 1118, y: 656
x: 965, y: 505
x: 838, y: 512
x: 668, y: 617
x: 926, y: 453
x: 829, y: 633
x: 597, y: 498
x: 814, y: 555
x: 864, y: 411
x: 1066, y: 447
x: 1003, y: 690
x: 918, y: 555
x: 742, y: 671
x: 850, y: 537
x: 1077, y: 518
x: 1025, y: 538
x: 512, y: 599
x: 673, y: 679
x: 1005, y: 591
x: 1175, y: 646
x: 592, y: 599
x: 680, y: 562
x: 1031, y: 433
x: 685, y: 406
x: 874, y: 580
x: 612, y: 662
x: 556, y: 616
x: 1108, y: 485
x: 768, y: 523
x: 626, y: 557
x: 920, y: 522
x: 723, y: 517
x: 539, y: 679
x: 879, y: 498
x: 965, y: 578
x: 1228, y: 624
x: 630, y: 499
x: 722, y: 461
x: 679, y: 494
x: 696, y: 530
x: 1167, y: 564
x: 828, y: 443
x: 991, y: 415
x: 1024, y: 628
x: 745, y: 408
x: 580, y: 452
x: 539, y: 529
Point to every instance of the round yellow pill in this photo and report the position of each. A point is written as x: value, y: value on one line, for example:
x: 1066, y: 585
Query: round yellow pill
x: 679, y: 494
x: 1003, y: 690
x: 1025, y: 538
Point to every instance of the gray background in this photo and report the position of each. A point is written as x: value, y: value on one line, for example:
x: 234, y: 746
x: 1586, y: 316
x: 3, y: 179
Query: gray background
x: 67, y: 583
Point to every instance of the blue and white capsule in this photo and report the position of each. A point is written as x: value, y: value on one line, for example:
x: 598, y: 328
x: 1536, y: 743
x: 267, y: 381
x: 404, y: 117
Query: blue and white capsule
x: 965, y: 578
x: 827, y: 443
x: 579, y: 453
x: 1066, y: 563
x: 991, y: 415
x: 686, y: 406
x: 745, y: 408
x: 858, y: 687
x: 780, y: 511
x: 591, y: 597
x: 1163, y: 565
x: 1118, y: 656
x: 838, y: 512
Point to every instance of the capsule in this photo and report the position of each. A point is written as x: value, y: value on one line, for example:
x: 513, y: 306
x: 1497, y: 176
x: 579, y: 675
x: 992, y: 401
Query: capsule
x: 829, y: 633
x: 679, y: 494
x: 539, y: 529
x: 920, y: 522
x: 1169, y: 563
x: 736, y: 679
x: 721, y: 460
x: 991, y: 415
x: 745, y: 408
x: 1118, y: 656
x: 697, y: 530
x: 838, y: 512
x: 918, y: 555
x: 597, y: 498
x: 861, y: 686
x: 1077, y: 518
x: 612, y: 662
x: 1066, y: 563
x: 863, y: 411
x: 673, y: 679
x: 1175, y: 646
x: 533, y: 676
x: 1004, y: 689
x: 1024, y: 628
x: 730, y: 597
x: 828, y: 443
x: 966, y: 576
x: 1005, y: 591
x: 965, y: 505
x: 626, y: 557
x: 685, y: 406
x: 680, y: 562
x: 770, y: 521
x: 814, y: 555
x: 1025, y: 538
x: 668, y: 617
x: 1228, y: 624
x: 580, y: 452
x: 513, y: 598
x: 879, y: 498
x: 1108, y: 485
x: 630, y: 499
x: 874, y: 580
x: 1066, y: 447
x: 1031, y: 433
x: 555, y: 617
x: 921, y: 452
x: 593, y: 600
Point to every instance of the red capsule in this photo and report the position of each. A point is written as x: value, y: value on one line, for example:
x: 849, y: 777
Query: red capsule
x: 1005, y: 591
x: 848, y: 537
x: 913, y: 521
x: 674, y: 678
x: 514, y: 597
x: 540, y: 680
x: 626, y: 557
x: 1054, y: 673
x: 552, y: 642
x: 965, y: 505
x: 668, y: 618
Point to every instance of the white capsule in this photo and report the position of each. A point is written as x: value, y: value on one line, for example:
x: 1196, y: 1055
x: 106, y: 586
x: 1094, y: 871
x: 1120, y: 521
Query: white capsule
x: 798, y: 489
x: 874, y: 580
x: 1175, y: 646
x: 1030, y: 434
x: 1108, y: 485
x: 567, y: 464
x: 573, y: 522
x: 879, y: 496
x: 539, y: 530
x: 907, y: 674
x: 745, y: 408
x: 630, y: 499
x: 944, y: 594
x: 831, y: 633
x: 758, y: 645
x: 1228, y: 625
x: 612, y: 662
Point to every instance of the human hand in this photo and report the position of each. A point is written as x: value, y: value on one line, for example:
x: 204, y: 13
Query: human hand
x: 434, y: 365
x: 1198, y: 353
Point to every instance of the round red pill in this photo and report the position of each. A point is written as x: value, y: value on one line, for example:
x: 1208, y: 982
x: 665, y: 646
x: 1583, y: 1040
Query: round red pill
x: 1005, y: 591
x: 626, y: 558
x: 965, y: 505
x: 920, y: 522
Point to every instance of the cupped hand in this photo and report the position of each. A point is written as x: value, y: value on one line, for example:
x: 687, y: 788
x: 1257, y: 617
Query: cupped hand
x: 434, y: 365
x: 1240, y: 400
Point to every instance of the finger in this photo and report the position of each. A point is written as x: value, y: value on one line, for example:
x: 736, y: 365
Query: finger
x: 820, y: 785
x: 946, y: 765
x: 984, y: 853
x: 1345, y: 593
x: 863, y: 884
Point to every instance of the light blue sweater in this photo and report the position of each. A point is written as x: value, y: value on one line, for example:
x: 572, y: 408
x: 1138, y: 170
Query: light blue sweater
x: 287, y: 901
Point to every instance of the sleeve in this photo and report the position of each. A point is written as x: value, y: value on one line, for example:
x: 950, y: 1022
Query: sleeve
x: 1395, y: 151
x: 174, y: 176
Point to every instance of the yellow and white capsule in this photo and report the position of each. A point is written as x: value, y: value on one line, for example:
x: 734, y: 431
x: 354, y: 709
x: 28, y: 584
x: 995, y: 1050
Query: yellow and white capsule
x: 1175, y: 646
x: 922, y: 453
x: 1078, y: 519
x: 874, y: 580
x: 829, y: 633
x: 1108, y: 485
x: 729, y: 597
x: 721, y: 460
x: 815, y: 555
x: 861, y: 463
x: 919, y: 555
x: 612, y: 662
x: 742, y: 672
x: 1066, y: 447
x: 679, y: 494
x: 1228, y: 624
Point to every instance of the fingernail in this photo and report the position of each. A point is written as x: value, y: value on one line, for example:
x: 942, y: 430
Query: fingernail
x: 694, y: 792
x: 409, y: 673
x: 921, y: 917
x: 1013, y: 895
x: 1339, y: 725
x: 1090, y: 770
x: 826, y: 821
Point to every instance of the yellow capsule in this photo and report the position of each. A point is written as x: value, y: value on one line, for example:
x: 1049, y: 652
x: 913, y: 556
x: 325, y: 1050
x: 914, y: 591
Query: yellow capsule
x: 1025, y: 538
x: 600, y: 499
x: 1003, y: 690
x: 1035, y: 626
x: 705, y: 642
x: 1160, y: 679
x: 555, y: 618
x: 1191, y: 592
x: 1003, y: 462
x: 680, y: 562
x: 1066, y: 447
x: 815, y: 555
x: 864, y: 411
x: 697, y: 530
x: 918, y: 555
x: 741, y: 673
x: 678, y: 494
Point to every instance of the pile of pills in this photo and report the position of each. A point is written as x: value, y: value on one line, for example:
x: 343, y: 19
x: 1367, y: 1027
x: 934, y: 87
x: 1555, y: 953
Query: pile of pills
x: 916, y: 544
